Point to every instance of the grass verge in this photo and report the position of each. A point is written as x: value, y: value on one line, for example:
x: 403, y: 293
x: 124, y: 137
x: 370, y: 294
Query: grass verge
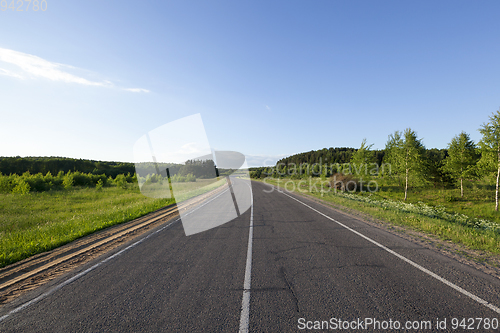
x: 478, y: 200
x: 38, y: 222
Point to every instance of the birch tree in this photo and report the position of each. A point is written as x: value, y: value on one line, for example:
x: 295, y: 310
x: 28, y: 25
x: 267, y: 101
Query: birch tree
x: 490, y: 149
x: 362, y: 159
x: 404, y: 153
x: 462, y: 157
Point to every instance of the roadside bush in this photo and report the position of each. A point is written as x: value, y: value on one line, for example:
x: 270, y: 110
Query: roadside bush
x: 82, y: 179
x: 154, y: 178
x: 181, y: 179
x: 40, y: 183
x: 22, y: 187
x: 190, y: 178
x: 121, y: 181
x: 131, y: 178
x: 36, y: 182
x: 53, y: 181
x: 177, y: 178
x: 102, y: 178
x: 6, y: 184
x: 68, y: 180
x: 87, y: 179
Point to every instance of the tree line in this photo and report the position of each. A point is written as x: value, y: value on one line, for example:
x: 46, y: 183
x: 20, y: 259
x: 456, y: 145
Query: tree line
x: 19, y: 165
x: 405, y: 159
x: 327, y: 155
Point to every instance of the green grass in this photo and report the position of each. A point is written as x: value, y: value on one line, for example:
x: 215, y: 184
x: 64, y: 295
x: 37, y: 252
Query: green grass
x: 478, y: 200
x: 447, y: 223
x: 38, y: 222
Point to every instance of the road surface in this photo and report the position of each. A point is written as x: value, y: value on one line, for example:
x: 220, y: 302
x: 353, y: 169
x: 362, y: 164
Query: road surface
x: 308, y: 265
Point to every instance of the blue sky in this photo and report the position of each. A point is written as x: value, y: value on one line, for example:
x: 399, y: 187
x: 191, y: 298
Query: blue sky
x: 86, y: 79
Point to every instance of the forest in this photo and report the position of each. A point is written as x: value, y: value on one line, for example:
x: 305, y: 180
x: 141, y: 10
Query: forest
x: 19, y: 165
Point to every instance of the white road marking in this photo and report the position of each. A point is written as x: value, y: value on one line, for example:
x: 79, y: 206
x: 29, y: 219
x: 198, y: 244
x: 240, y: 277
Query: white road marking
x: 245, y: 303
x: 414, y: 264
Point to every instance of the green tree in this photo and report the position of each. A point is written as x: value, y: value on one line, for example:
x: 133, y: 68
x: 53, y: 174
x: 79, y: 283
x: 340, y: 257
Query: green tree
x: 462, y: 157
x: 490, y: 149
x: 22, y: 187
x: 68, y: 180
x: 121, y: 181
x: 404, y: 153
x: 434, y: 165
x: 99, y: 185
x: 362, y: 158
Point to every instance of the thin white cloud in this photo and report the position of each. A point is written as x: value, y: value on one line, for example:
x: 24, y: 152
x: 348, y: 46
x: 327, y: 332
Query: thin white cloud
x: 32, y: 66
x: 137, y: 90
x: 6, y: 72
x: 267, y: 107
x: 35, y: 66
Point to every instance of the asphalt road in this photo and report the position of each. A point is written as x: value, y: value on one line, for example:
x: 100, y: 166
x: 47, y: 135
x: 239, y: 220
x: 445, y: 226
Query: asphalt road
x: 308, y: 263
